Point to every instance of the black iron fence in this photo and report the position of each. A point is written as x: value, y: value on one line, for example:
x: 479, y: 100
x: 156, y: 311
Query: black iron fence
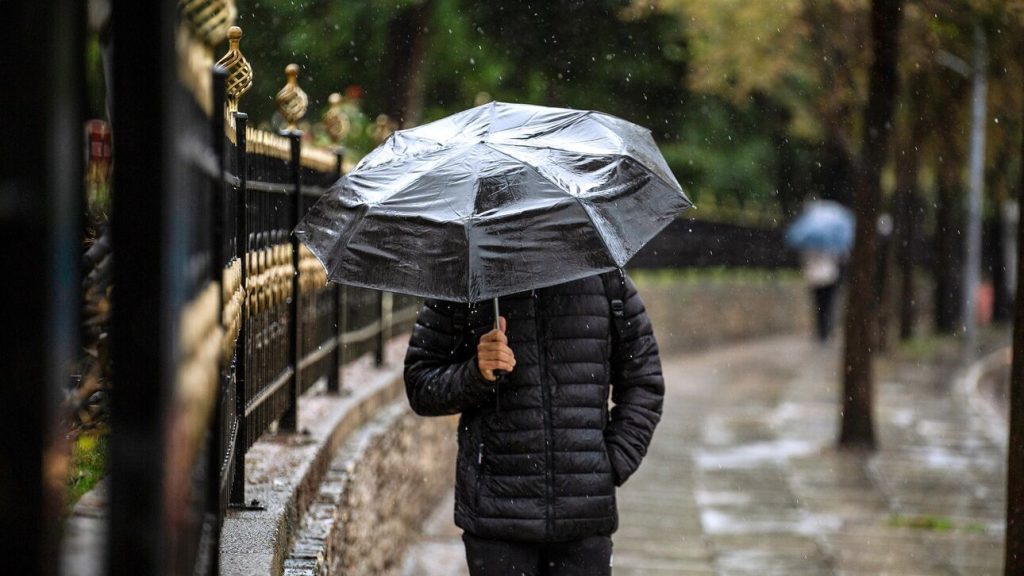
x: 290, y: 327
x: 226, y: 320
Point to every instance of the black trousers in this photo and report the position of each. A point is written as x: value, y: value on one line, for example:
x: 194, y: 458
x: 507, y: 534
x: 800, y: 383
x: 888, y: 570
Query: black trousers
x: 824, y: 307
x: 590, y: 556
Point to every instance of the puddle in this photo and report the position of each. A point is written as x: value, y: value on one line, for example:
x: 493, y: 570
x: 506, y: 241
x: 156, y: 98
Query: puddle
x: 753, y: 455
x: 903, y: 418
x: 718, y: 498
x: 724, y: 523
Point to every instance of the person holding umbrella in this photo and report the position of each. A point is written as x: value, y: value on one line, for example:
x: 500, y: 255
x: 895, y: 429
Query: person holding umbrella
x: 824, y: 235
x: 536, y: 210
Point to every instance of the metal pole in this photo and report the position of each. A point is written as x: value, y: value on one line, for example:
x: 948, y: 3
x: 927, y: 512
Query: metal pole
x: 40, y: 230
x: 976, y: 186
x: 148, y: 291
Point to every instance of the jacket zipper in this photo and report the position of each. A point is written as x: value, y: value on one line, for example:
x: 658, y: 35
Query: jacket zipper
x: 548, y: 435
x: 479, y: 475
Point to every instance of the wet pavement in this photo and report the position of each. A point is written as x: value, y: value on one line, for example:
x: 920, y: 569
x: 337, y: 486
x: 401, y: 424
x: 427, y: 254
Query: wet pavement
x: 743, y: 477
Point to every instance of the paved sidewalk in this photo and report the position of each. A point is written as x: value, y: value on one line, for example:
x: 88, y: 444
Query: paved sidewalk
x: 742, y: 477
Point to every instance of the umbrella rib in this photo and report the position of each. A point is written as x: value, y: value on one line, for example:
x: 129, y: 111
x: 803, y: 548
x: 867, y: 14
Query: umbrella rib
x: 614, y: 155
x: 343, y: 246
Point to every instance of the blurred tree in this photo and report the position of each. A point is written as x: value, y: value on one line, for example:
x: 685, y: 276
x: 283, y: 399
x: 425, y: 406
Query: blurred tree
x: 907, y: 205
x: 857, y: 428
x: 442, y: 55
x: 798, y: 62
x: 405, y: 59
x: 616, y: 61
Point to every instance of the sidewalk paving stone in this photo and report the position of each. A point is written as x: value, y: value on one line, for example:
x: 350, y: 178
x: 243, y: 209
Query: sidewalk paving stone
x: 743, y: 476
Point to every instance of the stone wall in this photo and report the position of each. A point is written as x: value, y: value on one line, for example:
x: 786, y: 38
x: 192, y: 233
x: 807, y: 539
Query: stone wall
x: 406, y: 470
x: 382, y: 484
x: 694, y: 311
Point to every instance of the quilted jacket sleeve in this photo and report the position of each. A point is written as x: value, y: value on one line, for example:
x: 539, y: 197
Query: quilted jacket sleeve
x: 638, y: 389
x: 439, y: 380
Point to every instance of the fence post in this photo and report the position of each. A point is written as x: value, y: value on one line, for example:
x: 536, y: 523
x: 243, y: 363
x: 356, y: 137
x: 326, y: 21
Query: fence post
x: 241, y: 351
x: 290, y: 419
x: 148, y: 229
x: 40, y: 232
x: 291, y: 103
x: 334, y: 382
x: 214, y: 444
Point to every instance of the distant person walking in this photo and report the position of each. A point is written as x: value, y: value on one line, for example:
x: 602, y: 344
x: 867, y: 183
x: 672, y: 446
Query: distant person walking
x: 823, y: 234
x: 822, y: 271
x: 540, y: 453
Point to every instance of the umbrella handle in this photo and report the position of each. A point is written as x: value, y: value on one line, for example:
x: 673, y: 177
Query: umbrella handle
x: 497, y: 326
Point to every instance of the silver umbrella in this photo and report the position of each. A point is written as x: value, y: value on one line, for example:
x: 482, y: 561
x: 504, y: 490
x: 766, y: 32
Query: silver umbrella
x: 495, y: 200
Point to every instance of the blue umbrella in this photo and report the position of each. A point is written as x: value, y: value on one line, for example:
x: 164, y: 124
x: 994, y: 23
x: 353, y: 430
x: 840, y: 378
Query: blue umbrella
x: 825, y: 226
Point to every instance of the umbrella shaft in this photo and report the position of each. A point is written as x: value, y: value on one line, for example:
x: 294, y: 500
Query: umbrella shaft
x: 497, y: 323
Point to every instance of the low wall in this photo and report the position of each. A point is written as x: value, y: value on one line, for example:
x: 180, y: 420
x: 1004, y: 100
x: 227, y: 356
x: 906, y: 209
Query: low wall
x: 695, y: 310
x: 379, y: 488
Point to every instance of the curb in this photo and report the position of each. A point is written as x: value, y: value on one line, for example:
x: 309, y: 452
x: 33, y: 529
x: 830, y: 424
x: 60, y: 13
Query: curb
x: 992, y: 422
x: 284, y: 472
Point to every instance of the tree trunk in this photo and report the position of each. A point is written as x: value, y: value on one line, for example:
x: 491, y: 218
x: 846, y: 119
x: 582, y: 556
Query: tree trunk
x: 405, y: 60
x: 1014, y: 563
x: 906, y: 209
x: 946, y: 268
x: 883, y: 294
x: 1009, y: 220
x: 857, y: 424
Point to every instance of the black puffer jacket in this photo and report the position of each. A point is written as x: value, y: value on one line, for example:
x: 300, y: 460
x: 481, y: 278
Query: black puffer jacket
x: 541, y: 462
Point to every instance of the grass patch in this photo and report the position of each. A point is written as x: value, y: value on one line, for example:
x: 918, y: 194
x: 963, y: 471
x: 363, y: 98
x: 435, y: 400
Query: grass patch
x: 928, y: 348
x: 935, y: 524
x: 88, y: 465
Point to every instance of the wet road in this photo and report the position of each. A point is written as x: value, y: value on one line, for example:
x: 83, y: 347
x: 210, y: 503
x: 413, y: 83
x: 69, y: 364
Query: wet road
x: 742, y: 477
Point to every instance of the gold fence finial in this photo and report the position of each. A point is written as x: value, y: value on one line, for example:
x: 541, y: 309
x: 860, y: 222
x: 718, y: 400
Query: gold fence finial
x: 291, y: 100
x: 335, y: 120
x: 239, y: 79
x: 209, y: 19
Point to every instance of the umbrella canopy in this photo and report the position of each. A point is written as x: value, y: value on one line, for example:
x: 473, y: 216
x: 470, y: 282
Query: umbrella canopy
x: 494, y: 200
x: 825, y: 226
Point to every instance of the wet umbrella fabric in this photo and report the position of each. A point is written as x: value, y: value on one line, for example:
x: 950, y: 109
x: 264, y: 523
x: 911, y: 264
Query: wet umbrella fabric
x: 824, y: 226
x: 495, y: 200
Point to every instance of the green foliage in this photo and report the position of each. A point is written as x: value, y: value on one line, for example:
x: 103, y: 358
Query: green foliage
x: 88, y: 465
x: 628, y: 67
x: 733, y: 154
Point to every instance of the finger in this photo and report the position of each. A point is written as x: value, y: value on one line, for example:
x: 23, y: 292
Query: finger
x: 502, y: 323
x: 495, y: 365
x: 494, y: 336
x: 493, y: 346
x: 488, y: 375
x: 497, y: 355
